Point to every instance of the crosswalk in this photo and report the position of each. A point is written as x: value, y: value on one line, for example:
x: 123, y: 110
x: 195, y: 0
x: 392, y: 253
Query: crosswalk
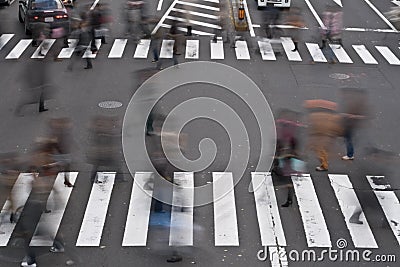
x: 182, y: 220
x: 266, y: 50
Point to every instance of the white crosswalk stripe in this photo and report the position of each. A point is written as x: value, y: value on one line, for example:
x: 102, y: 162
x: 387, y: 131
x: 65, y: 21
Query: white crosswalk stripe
x: 267, y: 53
x: 198, y: 5
x: 192, y: 49
x: 288, y: 46
x: 88, y: 53
x: 313, y: 219
x: 316, y: 52
x: 5, y: 38
x: 217, y: 49
x: 388, y: 55
x: 142, y: 49
x: 340, y: 53
x: 117, y: 49
x: 56, y: 203
x: 241, y: 50
x: 361, y: 233
x: 225, y: 220
x: 182, y: 220
x: 364, y: 54
x: 96, y: 210
x: 43, y: 48
x: 68, y: 51
x: 19, y: 49
x: 167, y: 49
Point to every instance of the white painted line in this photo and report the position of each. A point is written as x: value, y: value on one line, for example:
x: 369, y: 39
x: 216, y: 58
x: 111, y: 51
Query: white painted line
x: 137, y: 221
x: 313, y: 219
x: 267, y: 53
x: 167, y: 48
x: 181, y: 231
x: 142, y: 49
x: 381, y: 15
x: 20, y: 193
x: 319, y: 20
x: 4, y: 38
x: 256, y: 26
x: 192, y: 49
x: 217, y: 49
x: 241, y: 50
x: 47, y: 43
x: 278, y: 256
x: 212, y: 1
x: 248, y: 19
x: 225, y: 221
x: 199, y: 14
x: 195, y: 22
x: 96, y: 211
x: 288, y: 45
x: 269, y: 220
x: 369, y: 30
x: 196, y: 32
x: 361, y: 233
x: 198, y: 5
x: 364, y: 54
x: 164, y: 16
x: 396, y: 2
x: 67, y: 52
x: 19, y: 49
x: 56, y: 203
x: 159, y: 6
x: 94, y: 4
x: 118, y: 48
x: 316, y: 52
x: 388, y: 55
x: 88, y: 52
x: 339, y: 2
x: 340, y: 53
x: 388, y: 201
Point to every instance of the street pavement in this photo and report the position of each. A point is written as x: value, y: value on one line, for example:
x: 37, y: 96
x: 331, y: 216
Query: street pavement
x: 231, y: 235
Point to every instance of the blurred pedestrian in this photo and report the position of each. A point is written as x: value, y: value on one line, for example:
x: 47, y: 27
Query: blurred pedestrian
x: 135, y: 27
x: 295, y: 19
x: 175, y: 35
x: 82, y: 33
x: 332, y: 18
x: 271, y: 17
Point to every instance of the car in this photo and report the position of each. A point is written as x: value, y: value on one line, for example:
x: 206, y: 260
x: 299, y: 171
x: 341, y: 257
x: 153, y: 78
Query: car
x: 276, y: 3
x: 53, y: 12
x: 5, y: 2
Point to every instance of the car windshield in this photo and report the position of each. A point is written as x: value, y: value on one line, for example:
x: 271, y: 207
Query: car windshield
x: 46, y: 4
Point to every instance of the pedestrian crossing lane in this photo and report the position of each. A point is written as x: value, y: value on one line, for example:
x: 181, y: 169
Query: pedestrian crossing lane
x: 68, y: 51
x: 361, y: 234
x: 117, y: 50
x: 340, y: 53
x: 137, y: 221
x: 192, y: 49
x: 364, y: 54
x: 43, y: 48
x: 20, y: 192
x: 5, y: 38
x: 267, y: 53
x: 142, y: 49
x: 96, y: 211
x: 17, y: 51
x: 388, y: 201
x: 88, y: 53
x: 316, y: 52
x: 388, y: 55
x: 241, y: 50
x: 56, y: 203
x: 315, y: 227
x: 167, y: 48
x: 217, y: 49
x: 288, y: 46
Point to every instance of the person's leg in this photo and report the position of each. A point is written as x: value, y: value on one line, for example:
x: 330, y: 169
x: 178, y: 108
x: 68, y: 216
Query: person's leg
x: 349, y: 144
x: 323, y: 158
x: 41, y: 102
x: 88, y: 63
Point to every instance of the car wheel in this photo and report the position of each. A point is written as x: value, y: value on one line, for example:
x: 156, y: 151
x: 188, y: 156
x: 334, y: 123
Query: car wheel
x: 19, y: 16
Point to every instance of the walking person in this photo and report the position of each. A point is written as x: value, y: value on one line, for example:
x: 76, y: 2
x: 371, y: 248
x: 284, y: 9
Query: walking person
x: 295, y: 19
x: 82, y: 33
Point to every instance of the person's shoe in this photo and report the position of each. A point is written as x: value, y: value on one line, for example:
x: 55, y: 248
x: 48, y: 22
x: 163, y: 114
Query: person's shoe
x: 347, y: 158
x: 321, y: 169
x: 43, y: 109
x: 174, y: 258
x: 28, y: 262
x: 355, y: 221
x: 41, y: 54
x: 56, y: 250
x: 68, y: 184
x: 287, y: 204
x: 294, y: 50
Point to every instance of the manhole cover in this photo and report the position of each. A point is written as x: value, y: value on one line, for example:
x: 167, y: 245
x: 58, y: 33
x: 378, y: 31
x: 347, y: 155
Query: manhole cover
x: 339, y: 76
x: 110, y: 104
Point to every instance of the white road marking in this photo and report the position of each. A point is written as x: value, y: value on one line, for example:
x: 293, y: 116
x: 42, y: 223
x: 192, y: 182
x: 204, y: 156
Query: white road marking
x: 217, y: 49
x: 225, y: 220
x: 369, y: 30
x: 388, y: 55
x: 278, y: 256
x: 267, y: 53
x: 380, y: 15
x: 20, y: 193
x: 319, y: 20
x: 164, y: 16
x: 4, y: 38
x: 199, y: 14
x: 364, y: 54
x: 118, y: 48
x: 94, y: 4
x: 316, y: 52
x: 269, y: 220
x: 396, y: 2
x: 181, y: 231
x: 313, y: 219
x: 361, y: 233
x: 340, y: 53
x: 159, y: 6
x: 88, y: 53
x: 142, y: 48
x: 388, y: 201
x: 56, y: 203
x: 47, y: 43
x: 212, y: 1
x: 196, y: 32
x: 137, y: 221
x: 241, y: 50
x: 288, y: 45
x: 167, y: 47
x: 17, y: 51
x: 67, y: 52
x: 195, y: 22
x: 198, y: 5
x: 192, y: 49
x: 96, y: 211
x: 248, y: 19
x: 339, y: 2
